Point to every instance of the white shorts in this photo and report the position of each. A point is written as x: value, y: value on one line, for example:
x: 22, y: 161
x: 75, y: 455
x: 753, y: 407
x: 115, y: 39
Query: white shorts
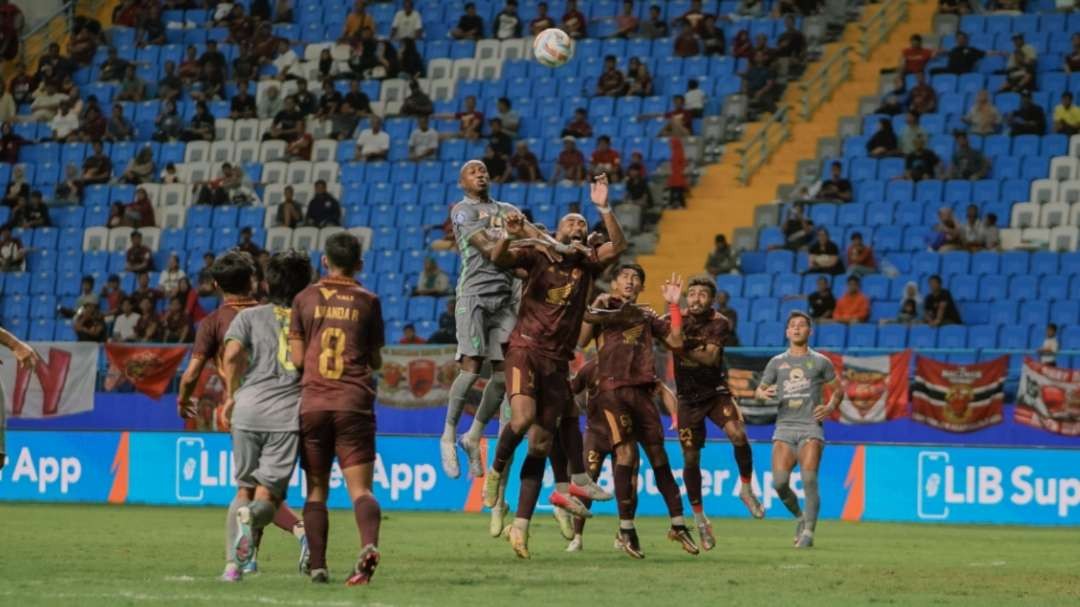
x: 797, y: 437
x: 483, y: 325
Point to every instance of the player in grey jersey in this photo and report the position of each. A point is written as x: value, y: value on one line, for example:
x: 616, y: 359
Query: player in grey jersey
x: 797, y: 379
x: 262, y: 403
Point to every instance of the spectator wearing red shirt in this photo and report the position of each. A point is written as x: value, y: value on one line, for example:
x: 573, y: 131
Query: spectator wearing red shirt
x: 922, y: 99
x: 570, y: 165
x: 686, y: 43
x: 914, y: 58
x: 10, y: 143
x: 525, y: 164
x: 140, y: 213
x: 300, y: 148
x: 860, y: 257
x: 12, y: 24
x: 680, y: 113
x: 853, y: 306
x: 605, y: 159
x: 579, y: 126
x: 574, y: 21
x: 409, y: 336
x: 139, y: 257
x: 694, y: 17
x: 611, y: 82
x: 111, y: 296
x: 471, y: 119
x: 22, y: 85
x: 741, y: 47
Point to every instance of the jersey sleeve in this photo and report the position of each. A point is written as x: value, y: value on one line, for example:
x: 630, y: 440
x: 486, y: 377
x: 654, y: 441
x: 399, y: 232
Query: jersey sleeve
x: 768, y: 376
x: 205, y: 345
x: 525, y: 258
x: 296, y: 317
x: 828, y: 372
x: 661, y: 327
x: 376, y: 332
x: 715, y: 334
x: 240, y: 330
x: 466, y: 222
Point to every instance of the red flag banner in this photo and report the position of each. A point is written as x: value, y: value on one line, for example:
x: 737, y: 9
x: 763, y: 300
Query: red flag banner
x: 875, y: 387
x: 958, y: 398
x: 1049, y: 398
x: 148, y: 369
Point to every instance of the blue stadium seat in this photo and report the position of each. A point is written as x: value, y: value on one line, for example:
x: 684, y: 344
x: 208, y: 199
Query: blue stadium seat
x: 770, y: 334
x: 952, y: 336
x: 1012, y: 337
x: 764, y: 309
x: 1054, y: 288
x: 984, y: 262
x: 893, y: 337
x: 1044, y: 263
x: 745, y: 331
x: 777, y: 262
x: 982, y: 337
x: 926, y: 263
x: 1024, y: 288
x: 1033, y: 313
x: 1065, y: 312
x: 922, y: 337
x: 757, y: 285
x: 786, y: 285
x: 862, y: 336
x: 964, y: 287
x: 1003, y: 312
x: 731, y: 283
x: 831, y: 336
x: 1014, y: 263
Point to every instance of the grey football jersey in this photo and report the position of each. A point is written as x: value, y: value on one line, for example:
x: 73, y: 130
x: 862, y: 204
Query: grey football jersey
x: 799, y: 381
x: 269, y: 398
x: 479, y: 276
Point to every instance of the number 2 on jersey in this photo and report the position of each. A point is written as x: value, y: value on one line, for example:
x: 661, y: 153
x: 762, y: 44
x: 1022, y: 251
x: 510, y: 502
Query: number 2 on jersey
x: 331, y: 362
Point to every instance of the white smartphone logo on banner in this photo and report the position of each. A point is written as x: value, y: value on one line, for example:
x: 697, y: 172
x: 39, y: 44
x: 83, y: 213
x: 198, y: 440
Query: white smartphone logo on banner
x: 931, y: 489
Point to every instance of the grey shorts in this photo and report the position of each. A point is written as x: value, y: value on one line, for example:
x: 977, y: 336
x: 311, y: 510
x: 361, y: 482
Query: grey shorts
x: 484, y: 325
x: 797, y: 437
x: 265, y: 459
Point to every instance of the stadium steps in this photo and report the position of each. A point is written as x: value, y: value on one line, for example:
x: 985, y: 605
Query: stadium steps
x: 719, y: 204
x: 56, y: 31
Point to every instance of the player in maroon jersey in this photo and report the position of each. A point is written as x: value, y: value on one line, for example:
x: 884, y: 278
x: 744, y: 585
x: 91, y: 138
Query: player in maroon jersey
x: 335, y: 337
x: 701, y: 381
x: 625, y: 334
x: 234, y: 275
x: 553, y: 303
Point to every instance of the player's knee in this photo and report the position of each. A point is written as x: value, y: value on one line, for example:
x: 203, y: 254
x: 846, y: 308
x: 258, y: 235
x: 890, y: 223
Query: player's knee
x: 691, y: 457
x: 737, y: 437
x: 810, y: 480
x: 657, y: 455
x: 780, y: 480
x: 624, y: 454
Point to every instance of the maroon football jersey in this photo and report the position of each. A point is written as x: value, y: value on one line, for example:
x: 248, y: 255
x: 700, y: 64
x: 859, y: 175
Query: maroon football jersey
x: 698, y: 383
x: 210, y: 337
x: 341, y: 326
x: 625, y: 350
x: 553, y: 302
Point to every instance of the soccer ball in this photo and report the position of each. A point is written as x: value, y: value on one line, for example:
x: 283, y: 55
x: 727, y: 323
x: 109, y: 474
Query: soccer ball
x: 553, y: 47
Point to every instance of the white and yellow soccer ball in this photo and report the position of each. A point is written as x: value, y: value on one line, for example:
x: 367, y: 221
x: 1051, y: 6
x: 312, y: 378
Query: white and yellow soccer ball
x: 553, y: 47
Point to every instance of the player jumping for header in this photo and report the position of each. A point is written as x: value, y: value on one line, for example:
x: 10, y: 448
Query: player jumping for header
x: 797, y: 378
x: 263, y: 412
x: 552, y: 307
x: 701, y: 382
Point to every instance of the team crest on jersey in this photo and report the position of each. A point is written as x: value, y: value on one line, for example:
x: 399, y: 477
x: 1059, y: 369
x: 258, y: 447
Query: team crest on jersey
x: 327, y: 293
x: 560, y: 296
x: 796, y: 381
x: 632, y: 335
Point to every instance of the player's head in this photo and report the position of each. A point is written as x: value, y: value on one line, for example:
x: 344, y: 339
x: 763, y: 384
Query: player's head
x: 799, y: 327
x: 629, y: 281
x: 343, y: 255
x: 233, y: 273
x: 287, y: 274
x: 572, y: 228
x: 474, y: 179
x: 700, y: 293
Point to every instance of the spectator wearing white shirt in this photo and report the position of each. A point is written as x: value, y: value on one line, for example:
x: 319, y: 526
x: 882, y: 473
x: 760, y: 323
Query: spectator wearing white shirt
x: 65, y: 122
x: 373, y: 142
x: 269, y: 103
x: 507, y: 22
x: 171, y: 275
x: 286, y: 61
x: 407, y: 23
x: 124, y: 325
x: 46, y: 102
x: 694, y: 98
x: 509, y: 118
x: 423, y: 141
x: 1049, y: 348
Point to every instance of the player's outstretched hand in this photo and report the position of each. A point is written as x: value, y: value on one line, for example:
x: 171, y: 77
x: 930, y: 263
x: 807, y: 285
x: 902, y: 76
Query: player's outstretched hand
x: 189, y: 409
x: 672, y: 289
x: 515, y: 225
x: 821, y: 412
x: 598, y: 191
x: 768, y: 393
x: 26, y: 357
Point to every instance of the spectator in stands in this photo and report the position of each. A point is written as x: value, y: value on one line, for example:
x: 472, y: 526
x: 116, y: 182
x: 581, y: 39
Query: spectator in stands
x: 169, y: 174
x: 300, y: 148
x: 407, y: 23
x: 343, y: 121
x: 913, y: 59
x: 759, y: 84
x: 686, y: 43
x: 654, y: 26
x: 132, y: 88
x: 8, y: 108
x: 626, y: 23
x: 243, y: 104
x: 447, y: 331
x: 176, y: 324
x: 150, y: 27
x: 470, y: 120
x: 432, y: 280
x: 12, y: 252
x: 1072, y: 60
x: 893, y: 102
x: 417, y: 102
x: 287, y: 124
x: 21, y: 84
x: 305, y: 101
x: 247, y: 245
x: 991, y: 233
x: 92, y: 125
x: 860, y: 257
x: 1006, y: 7
x: 570, y: 165
x: 289, y: 214
x: 605, y: 159
x: 508, y: 117
x: 574, y: 22
x: 525, y: 164
x: 497, y: 166
x: 968, y: 162
x: 821, y: 302
x: 139, y: 257
x: 722, y: 259
x: 824, y: 255
x: 124, y: 325
x: 611, y: 82
x: 507, y: 23
x: 168, y: 123
x: 19, y: 187
x: 12, y: 26
x: 579, y: 126
x: 939, y: 308
x: 201, y: 127
x: 470, y: 26
x: 797, y: 229
x: 97, y: 167
x: 140, y: 213
x: 639, y: 81
x: 853, y: 306
x: 921, y: 163
x: 409, y: 336
x: 542, y: 21
x: 1048, y: 350
x: 287, y: 62
x: 791, y: 49
x: 741, y: 46
x: 140, y: 169
x: 983, y: 118
x: 971, y: 232
x: 376, y: 59
x: 170, y: 85
x: 637, y: 188
x: 1020, y: 67
x: 323, y: 210
x: 190, y: 68
x: 713, y: 41
x: 65, y: 123
x: 723, y: 300
x: 1067, y: 116
x: 357, y: 21
x: 46, y: 102
x: 907, y: 314
x: 89, y: 325
x: 148, y: 329
x: 58, y: 66
x: 423, y: 141
x: 694, y: 98
x: 962, y: 58
x: 373, y: 143
x: 69, y: 190
x: 113, y: 68
x: 922, y: 99
x: 30, y: 213
x: 143, y: 290
x: 169, y: 280
x: 211, y: 84
x: 1028, y: 119
x: 836, y: 187
x: 118, y: 127
x: 10, y: 144
x: 680, y: 119
x: 954, y: 7
x: 948, y: 236
x: 86, y: 295
x: 499, y: 139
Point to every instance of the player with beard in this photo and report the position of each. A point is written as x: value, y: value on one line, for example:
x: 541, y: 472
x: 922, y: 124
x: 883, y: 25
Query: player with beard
x: 234, y: 276
x: 553, y: 305
x: 798, y: 378
x: 625, y: 334
x: 701, y: 383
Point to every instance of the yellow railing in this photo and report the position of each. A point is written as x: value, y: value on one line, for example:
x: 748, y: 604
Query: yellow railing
x: 877, y: 26
x: 818, y: 88
x: 54, y: 29
x: 758, y: 148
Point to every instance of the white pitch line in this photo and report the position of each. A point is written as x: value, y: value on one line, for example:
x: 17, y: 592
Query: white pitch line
x: 988, y: 564
x: 185, y: 598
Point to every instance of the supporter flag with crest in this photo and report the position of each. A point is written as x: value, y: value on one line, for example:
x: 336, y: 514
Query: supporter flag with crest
x: 1049, y: 398
x: 148, y: 369
x: 959, y: 398
x: 875, y: 387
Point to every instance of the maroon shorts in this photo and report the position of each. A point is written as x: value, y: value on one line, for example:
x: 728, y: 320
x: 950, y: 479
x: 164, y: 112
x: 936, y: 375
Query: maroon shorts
x: 350, y: 435
x: 545, y: 380
x: 631, y: 415
x: 720, y: 409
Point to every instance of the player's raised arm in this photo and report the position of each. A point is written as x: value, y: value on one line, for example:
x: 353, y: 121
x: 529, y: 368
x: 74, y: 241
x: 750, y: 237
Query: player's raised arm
x: 671, y: 290
x: 24, y: 354
x: 617, y: 244
x: 502, y: 255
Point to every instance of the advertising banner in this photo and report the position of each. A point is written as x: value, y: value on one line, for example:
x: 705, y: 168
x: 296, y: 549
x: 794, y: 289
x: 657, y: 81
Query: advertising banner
x: 1049, y: 398
x: 959, y: 398
x: 413, y: 377
x: 61, y: 384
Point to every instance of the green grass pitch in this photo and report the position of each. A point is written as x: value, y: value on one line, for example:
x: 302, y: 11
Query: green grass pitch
x: 100, y: 555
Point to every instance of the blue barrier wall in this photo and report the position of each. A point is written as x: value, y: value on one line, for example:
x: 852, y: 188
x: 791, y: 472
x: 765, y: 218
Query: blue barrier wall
x: 858, y: 482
